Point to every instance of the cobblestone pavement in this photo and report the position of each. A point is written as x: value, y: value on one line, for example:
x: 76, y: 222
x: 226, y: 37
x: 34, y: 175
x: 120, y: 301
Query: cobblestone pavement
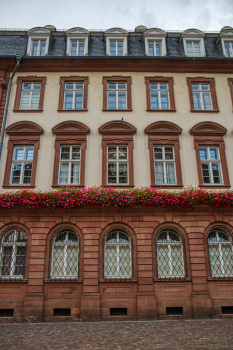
x: 143, y: 335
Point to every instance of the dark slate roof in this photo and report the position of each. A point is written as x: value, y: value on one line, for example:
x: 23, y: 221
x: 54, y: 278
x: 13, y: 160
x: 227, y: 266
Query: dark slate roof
x: 10, y: 45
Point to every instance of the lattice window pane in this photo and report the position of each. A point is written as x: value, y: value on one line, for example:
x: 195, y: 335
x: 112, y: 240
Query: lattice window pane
x: 110, y: 261
x: 177, y: 260
x: 58, y: 261
x: 163, y: 261
x: 124, y: 261
x: 71, y: 261
x: 227, y: 258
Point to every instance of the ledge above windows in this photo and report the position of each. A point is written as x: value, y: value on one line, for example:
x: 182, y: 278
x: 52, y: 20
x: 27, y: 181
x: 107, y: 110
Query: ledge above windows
x: 38, y: 41
x: 155, y: 42
x: 193, y: 40
x: 116, y: 42
x: 77, y: 42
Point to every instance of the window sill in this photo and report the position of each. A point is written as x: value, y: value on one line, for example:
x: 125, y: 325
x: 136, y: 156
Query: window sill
x: 203, y: 111
x: 173, y: 279
x: 18, y: 186
x: 13, y: 279
x: 117, y: 110
x: 69, y: 186
x: 63, y: 279
x: 161, y: 110
x: 167, y: 186
x: 118, y: 186
x: 117, y: 279
x: 28, y: 110
x: 72, y: 110
x: 215, y: 186
x: 222, y: 278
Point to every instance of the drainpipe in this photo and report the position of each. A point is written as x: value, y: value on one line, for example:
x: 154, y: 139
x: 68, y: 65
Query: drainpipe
x: 18, y: 58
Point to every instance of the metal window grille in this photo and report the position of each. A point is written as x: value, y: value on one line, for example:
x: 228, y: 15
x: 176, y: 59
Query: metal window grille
x: 170, y: 254
x: 64, y: 255
x: 13, y: 254
x: 220, y: 253
x: 117, y: 255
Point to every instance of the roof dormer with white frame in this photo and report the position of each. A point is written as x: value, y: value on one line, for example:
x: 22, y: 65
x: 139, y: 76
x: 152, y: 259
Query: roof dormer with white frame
x: 77, y: 41
x: 155, y: 42
x: 116, y: 42
x: 226, y: 37
x: 38, y: 41
x: 193, y: 41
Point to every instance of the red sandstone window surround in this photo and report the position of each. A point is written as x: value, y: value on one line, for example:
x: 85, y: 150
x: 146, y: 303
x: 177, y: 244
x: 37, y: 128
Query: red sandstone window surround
x: 210, y: 155
x: 164, y: 152
x: 69, y: 158
x: 73, y: 94
x: 117, y: 160
x: 117, y: 94
x: 30, y: 94
x: 202, y: 95
x: 23, y: 136
x: 230, y: 83
x: 160, y: 94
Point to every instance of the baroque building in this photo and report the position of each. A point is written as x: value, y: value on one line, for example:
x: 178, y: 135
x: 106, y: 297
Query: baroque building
x: 118, y: 109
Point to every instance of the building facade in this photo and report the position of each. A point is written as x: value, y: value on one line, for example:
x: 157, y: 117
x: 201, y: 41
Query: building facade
x: 120, y: 110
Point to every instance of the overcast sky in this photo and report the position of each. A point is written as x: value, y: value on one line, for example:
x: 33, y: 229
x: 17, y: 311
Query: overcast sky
x: 103, y: 14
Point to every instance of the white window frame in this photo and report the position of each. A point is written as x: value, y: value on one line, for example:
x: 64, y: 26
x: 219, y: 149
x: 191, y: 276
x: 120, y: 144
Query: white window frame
x: 30, y: 98
x: 117, y: 161
x: 37, y: 38
x: 116, y: 38
x: 73, y: 90
x: 164, y: 161
x: 117, y: 245
x: 14, y: 246
x: 21, y: 161
x: 194, y: 39
x: 223, y: 46
x: 70, y: 161
x: 117, y: 92
x: 201, y: 94
x: 75, y: 38
x: 210, y: 161
x: 159, y: 95
x: 163, y: 45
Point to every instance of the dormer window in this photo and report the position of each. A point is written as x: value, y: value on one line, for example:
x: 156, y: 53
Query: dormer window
x: 155, y: 42
x: 38, y: 47
x: 228, y: 46
x: 38, y: 41
x: 77, y: 42
x: 116, y: 42
x: 193, y: 40
x: 226, y: 37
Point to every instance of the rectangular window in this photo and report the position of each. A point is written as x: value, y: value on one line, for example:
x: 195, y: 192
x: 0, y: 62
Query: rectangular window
x: 164, y: 163
x: 38, y: 47
x: 228, y: 48
x: 21, y: 170
x: 202, y: 97
x: 117, y: 95
x: 154, y: 48
x: 30, y: 96
x: 210, y: 165
x: 193, y: 48
x: 77, y: 47
x: 73, y: 96
x: 117, y: 165
x: 116, y: 47
x: 69, y: 165
x: 159, y: 96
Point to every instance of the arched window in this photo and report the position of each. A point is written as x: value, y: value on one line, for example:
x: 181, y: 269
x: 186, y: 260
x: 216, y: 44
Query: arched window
x: 13, y: 253
x: 220, y: 253
x: 117, y: 254
x: 65, y: 254
x: 170, y: 257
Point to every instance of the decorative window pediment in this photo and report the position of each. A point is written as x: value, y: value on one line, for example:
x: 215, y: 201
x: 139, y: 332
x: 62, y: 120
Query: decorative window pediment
x: 208, y: 129
x: 77, y: 41
x: 163, y: 128
x: 71, y: 128
x: 38, y: 41
x: 193, y: 40
x: 117, y: 127
x: 24, y: 128
x: 116, y: 42
x: 155, y: 42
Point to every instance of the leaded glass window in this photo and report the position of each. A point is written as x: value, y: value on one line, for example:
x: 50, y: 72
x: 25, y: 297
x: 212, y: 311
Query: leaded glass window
x: 117, y: 255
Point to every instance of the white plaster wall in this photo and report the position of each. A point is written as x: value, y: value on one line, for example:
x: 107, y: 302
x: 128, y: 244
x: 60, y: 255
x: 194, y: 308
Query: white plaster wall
x: 95, y: 117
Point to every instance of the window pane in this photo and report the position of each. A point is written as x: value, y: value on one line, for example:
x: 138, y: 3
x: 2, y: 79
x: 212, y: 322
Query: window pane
x: 122, y: 152
x: 42, y: 48
x: 112, y: 152
x: 27, y: 173
x: 112, y: 175
x: 20, y: 260
x: 207, y: 101
x: 163, y: 86
x: 154, y: 100
x: 25, y: 99
x: 6, y: 257
x: 197, y: 49
x: 81, y: 48
x: 110, y: 261
x: 27, y: 86
x: 79, y: 100
x: 69, y: 86
x: 195, y: 86
x: 164, y: 100
x: 18, y: 153
x: 228, y: 49
x: 205, y: 87
x: 206, y: 173
x: 123, y: 172
x: 122, y: 100
x: 65, y: 152
x: 121, y: 86
x: 68, y: 100
x: 36, y: 86
x: 35, y: 100
x: 151, y: 48
x: 111, y: 85
x: 112, y: 48
x: 177, y: 261
x: 72, y: 261
x: 197, y: 100
x: 111, y: 100
x: 158, y: 152
x: 214, y: 153
x: 154, y: 86
x: 159, y: 173
x: 64, y: 173
x: 73, y: 51
x: 216, y: 170
x: 75, y: 171
x: 125, y: 261
x: 79, y: 86
x: 119, y: 48
x: 34, y: 47
x: 227, y: 259
x: 16, y: 171
x: 203, y: 153
x: 169, y: 153
x: 158, y: 48
x: 58, y: 261
x: 170, y: 170
x: 163, y: 260
x: 76, y: 152
x: 189, y: 48
x: 215, y: 263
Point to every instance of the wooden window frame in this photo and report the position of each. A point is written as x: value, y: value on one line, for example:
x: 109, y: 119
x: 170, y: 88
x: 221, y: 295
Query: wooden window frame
x: 202, y: 80
x: 29, y: 79
x: 211, y: 134
x: 73, y: 79
x: 164, y: 133
x: 69, y: 133
x: 170, y: 82
x: 230, y: 83
x: 117, y: 79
